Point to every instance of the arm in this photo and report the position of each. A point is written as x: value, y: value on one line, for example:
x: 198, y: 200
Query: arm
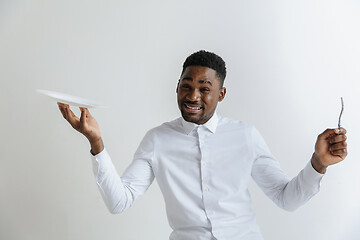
x: 118, y: 193
x: 287, y: 193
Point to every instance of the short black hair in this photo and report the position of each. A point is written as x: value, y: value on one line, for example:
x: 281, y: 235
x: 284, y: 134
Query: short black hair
x: 207, y: 59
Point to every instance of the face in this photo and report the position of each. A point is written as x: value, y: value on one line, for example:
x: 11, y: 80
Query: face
x: 198, y: 92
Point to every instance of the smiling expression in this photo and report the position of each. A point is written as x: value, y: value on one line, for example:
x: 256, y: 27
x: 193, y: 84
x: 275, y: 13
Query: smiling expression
x: 198, y: 92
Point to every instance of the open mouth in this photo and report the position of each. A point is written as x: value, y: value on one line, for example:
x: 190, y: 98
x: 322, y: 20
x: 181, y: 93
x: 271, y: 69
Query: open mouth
x: 192, y: 107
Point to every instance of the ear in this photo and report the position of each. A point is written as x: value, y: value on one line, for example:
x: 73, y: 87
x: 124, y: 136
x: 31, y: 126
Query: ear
x: 177, y: 86
x: 222, y: 94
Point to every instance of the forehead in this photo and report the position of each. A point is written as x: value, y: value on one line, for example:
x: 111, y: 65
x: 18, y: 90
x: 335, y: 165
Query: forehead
x: 199, y: 73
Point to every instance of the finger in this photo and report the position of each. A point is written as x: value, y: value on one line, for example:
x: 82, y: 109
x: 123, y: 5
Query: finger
x: 70, y: 113
x: 83, y: 116
x: 62, y: 109
x: 331, y: 132
x: 70, y: 116
x: 337, y: 138
x: 87, y: 113
x: 338, y: 146
x: 341, y: 153
x: 66, y: 112
x: 340, y: 130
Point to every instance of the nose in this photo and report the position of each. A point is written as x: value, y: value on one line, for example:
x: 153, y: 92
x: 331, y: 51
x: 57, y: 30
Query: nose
x: 193, y: 95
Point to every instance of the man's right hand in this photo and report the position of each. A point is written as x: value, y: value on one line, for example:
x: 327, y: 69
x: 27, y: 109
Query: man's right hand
x: 86, y: 125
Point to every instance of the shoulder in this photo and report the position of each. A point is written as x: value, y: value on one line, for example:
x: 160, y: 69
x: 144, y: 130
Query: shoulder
x: 235, y: 125
x: 154, y: 137
x: 165, y: 129
x: 241, y: 129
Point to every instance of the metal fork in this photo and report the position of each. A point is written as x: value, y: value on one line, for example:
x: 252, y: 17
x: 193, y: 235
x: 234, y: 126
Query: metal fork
x: 342, y: 109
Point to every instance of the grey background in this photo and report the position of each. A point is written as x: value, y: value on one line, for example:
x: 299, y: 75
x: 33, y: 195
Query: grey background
x: 288, y: 64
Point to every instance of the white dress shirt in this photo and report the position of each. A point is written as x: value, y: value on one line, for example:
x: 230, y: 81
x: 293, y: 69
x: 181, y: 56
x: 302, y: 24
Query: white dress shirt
x: 203, y: 172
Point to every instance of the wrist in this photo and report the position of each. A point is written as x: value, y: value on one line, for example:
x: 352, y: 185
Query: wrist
x: 317, y: 165
x: 97, y: 146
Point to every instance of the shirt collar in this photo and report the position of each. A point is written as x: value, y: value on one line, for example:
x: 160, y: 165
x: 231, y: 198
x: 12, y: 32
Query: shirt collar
x: 211, y: 124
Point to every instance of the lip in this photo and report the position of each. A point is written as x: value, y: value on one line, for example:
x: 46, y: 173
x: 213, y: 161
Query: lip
x: 192, y: 108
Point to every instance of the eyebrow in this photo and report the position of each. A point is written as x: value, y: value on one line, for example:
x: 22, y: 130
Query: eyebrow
x: 200, y: 81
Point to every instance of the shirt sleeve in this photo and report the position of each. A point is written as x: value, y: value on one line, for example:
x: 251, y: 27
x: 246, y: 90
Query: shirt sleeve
x: 287, y: 193
x: 119, y: 193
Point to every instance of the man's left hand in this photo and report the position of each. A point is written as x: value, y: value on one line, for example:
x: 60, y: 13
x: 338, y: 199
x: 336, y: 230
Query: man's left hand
x: 330, y: 148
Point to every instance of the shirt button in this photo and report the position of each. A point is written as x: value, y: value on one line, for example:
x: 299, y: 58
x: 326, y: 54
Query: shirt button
x: 206, y: 189
x: 202, y: 142
x: 204, y: 164
x: 210, y: 213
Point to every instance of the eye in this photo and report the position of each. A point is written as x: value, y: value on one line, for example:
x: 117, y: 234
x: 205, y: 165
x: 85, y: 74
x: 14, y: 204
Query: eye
x: 205, y: 90
x: 185, y: 86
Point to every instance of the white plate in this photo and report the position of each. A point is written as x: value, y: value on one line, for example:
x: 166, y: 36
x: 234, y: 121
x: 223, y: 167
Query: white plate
x: 71, y: 100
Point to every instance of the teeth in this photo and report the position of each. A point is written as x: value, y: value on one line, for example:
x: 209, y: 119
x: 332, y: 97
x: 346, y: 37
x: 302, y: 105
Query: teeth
x: 192, y: 108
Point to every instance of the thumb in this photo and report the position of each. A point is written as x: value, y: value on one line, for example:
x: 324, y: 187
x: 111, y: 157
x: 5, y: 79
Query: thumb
x: 330, y: 132
x: 83, y: 116
x: 327, y: 133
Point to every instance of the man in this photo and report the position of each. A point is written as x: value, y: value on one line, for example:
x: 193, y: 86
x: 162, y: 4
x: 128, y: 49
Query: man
x: 203, y: 162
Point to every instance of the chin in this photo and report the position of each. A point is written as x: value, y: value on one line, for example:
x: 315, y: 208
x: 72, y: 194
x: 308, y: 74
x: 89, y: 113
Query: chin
x: 194, y: 119
x: 190, y: 119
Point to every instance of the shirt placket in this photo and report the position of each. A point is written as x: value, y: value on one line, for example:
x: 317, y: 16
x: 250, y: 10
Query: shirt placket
x: 207, y: 192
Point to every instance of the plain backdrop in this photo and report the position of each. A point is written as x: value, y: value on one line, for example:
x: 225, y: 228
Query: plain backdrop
x: 288, y: 62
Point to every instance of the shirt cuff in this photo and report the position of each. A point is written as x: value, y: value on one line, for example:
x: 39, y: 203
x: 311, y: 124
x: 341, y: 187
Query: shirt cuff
x: 101, y: 163
x: 100, y: 153
x: 311, y: 176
